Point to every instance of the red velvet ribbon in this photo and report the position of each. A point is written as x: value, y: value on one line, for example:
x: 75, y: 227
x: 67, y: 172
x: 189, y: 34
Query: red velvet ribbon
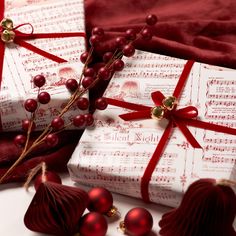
x: 180, y: 118
x: 21, y: 37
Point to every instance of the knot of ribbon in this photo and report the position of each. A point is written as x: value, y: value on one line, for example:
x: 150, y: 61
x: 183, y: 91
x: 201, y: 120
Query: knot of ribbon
x: 166, y: 107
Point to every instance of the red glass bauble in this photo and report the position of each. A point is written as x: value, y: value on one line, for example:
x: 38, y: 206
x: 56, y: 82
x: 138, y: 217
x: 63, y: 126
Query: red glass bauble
x: 208, y: 208
x: 39, y: 80
x: 92, y: 224
x: 138, y: 222
x: 100, y: 200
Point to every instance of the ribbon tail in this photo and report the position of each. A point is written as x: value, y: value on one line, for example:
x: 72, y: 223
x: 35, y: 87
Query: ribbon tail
x: 145, y: 114
x: 127, y: 105
x: 184, y: 129
x: 209, y: 126
x: 2, y: 50
x: 39, y: 51
x: 153, y: 162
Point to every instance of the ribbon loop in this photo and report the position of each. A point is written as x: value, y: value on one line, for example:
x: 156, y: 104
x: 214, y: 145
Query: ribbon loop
x: 188, y: 112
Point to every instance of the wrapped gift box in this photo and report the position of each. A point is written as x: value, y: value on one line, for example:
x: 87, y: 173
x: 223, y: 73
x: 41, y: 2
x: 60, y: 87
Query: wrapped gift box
x: 115, y: 153
x: 21, y: 65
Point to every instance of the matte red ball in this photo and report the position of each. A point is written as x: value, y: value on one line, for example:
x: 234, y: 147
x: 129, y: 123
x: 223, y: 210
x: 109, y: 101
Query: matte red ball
x: 57, y: 123
x: 130, y: 34
x: 151, y: 19
x: 93, y: 224
x: 89, y: 119
x: 138, y: 222
x: 79, y: 120
x: 87, y: 81
x: 107, y: 56
x: 104, y: 73
x: 146, y: 34
x: 20, y: 140
x: 84, y: 56
x: 30, y: 105
x: 128, y: 50
x: 90, y: 72
x: 94, y: 40
x: 100, y: 200
x: 120, y: 41
x: 26, y: 124
x: 72, y: 84
x: 49, y: 176
x: 101, y: 103
x: 44, y: 97
x: 118, y: 65
x: 82, y: 103
x: 39, y: 80
x: 52, y: 140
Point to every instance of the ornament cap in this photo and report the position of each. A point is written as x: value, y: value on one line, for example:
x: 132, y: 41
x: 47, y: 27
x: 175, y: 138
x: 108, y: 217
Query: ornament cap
x: 112, y: 212
x: 170, y: 102
x: 7, y: 23
x: 122, y: 226
x: 157, y: 113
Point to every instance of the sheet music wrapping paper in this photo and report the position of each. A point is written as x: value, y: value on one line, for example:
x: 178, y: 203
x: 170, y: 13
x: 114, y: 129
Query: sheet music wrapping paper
x: 115, y: 153
x: 21, y: 65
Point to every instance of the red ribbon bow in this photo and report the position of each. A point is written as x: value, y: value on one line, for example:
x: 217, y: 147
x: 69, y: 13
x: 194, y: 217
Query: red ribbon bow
x: 180, y: 118
x: 20, y: 38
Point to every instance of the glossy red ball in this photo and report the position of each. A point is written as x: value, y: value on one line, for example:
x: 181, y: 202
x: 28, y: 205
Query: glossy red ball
x: 87, y: 81
x: 130, y: 34
x: 79, y: 121
x: 93, y: 224
x: 128, y: 50
x: 39, y: 80
x: 20, y: 140
x: 49, y: 176
x: 94, y: 40
x: 104, y: 73
x: 100, y: 200
x: 146, y: 34
x: 72, y: 84
x: 84, y: 57
x: 98, y: 31
x: 30, y: 105
x: 138, y: 222
x: 89, y: 119
x: 151, y: 19
x: 89, y: 72
x: 120, y: 42
x: 52, y: 140
x: 107, y: 56
x: 82, y: 103
x: 57, y: 123
x: 101, y: 103
x: 44, y: 97
x: 118, y: 65
x: 26, y: 124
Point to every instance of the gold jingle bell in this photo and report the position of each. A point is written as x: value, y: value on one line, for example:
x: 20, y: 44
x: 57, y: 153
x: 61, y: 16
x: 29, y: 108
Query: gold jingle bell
x: 7, y: 24
x: 7, y: 36
x: 112, y: 212
x: 157, y: 112
x: 169, y: 102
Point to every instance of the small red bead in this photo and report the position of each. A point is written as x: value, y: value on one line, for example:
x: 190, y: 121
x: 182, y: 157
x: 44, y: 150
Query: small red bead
x: 57, y: 123
x: 84, y: 56
x: 48, y: 177
x: 107, y: 56
x: 26, y: 124
x: 52, y: 140
x: 89, y: 119
x: 90, y: 72
x: 39, y: 80
x: 83, y: 103
x: 98, y: 31
x: 79, y: 121
x: 71, y: 85
x: 146, y: 34
x: 94, y: 40
x: 104, y: 73
x: 151, y: 19
x: 101, y: 103
x: 130, y: 34
x: 120, y: 41
x: 20, y: 140
x: 87, y: 81
x: 31, y: 105
x: 44, y: 97
x: 128, y: 50
x: 118, y: 65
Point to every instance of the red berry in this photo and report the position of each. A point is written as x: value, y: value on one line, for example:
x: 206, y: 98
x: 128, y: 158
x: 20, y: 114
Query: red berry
x: 90, y: 72
x: 39, y: 80
x: 120, y: 41
x: 107, y: 56
x: 30, y: 105
x: 146, y: 34
x: 94, y: 40
x: 84, y: 56
x: 89, y: 119
x: 47, y: 177
x: 51, y: 140
x: 101, y: 103
x: 151, y: 19
x: 87, y: 81
x: 128, y: 50
x: 83, y: 103
x: 98, y: 31
x: 104, y: 73
x: 71, y: 85
x: 20, y: 140
x: 57, y: 123
x: 44, y: 97
x: 118, y: 65
x: 79, y: 121
x: 26, y: 124
x: 130, y: 34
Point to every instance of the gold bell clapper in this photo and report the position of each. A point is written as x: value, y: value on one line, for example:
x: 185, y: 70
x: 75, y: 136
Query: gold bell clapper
x: 157, y: 112
x: 7, y: 34
x: 7, y: 24
x: 169, y: 102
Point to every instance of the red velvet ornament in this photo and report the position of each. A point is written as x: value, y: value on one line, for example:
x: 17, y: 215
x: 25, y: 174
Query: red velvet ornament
x: 138, y: 222
x: 92, y: 224
x: 208, y: 208
x: 56, y: 209
x: 100, y: 200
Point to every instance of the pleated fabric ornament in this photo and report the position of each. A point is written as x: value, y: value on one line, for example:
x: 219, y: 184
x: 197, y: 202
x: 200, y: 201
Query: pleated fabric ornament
x: 208, y: 208
x: 56, y: 209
